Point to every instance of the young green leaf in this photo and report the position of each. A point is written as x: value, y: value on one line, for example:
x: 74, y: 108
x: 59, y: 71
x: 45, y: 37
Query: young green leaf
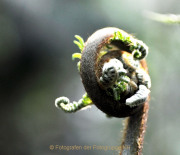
x: 80, y: 42
x: 80, y: 39
x: 76, y: 55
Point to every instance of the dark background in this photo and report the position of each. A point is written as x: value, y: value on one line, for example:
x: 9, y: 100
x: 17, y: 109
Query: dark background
x: 36, y: 45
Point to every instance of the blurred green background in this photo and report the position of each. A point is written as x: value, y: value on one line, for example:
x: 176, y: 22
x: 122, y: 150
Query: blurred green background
x: 36, y: 45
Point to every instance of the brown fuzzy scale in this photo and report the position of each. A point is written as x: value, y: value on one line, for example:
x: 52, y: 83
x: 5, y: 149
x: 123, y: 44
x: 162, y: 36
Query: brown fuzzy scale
x: 89, y: 75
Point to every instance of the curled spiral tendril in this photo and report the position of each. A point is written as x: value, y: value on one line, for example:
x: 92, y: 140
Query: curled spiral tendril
x: 65, y: 105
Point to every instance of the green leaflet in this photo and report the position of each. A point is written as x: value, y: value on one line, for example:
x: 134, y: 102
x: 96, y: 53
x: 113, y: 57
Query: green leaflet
x: 76, y: 55
x: 118, y: 35
x: 86, y: 99
x: 79, y: 66
x: 80, y: 42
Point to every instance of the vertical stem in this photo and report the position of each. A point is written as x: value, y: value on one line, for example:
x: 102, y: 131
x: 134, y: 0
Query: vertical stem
x: 134, y: 133
x: 135, y: 128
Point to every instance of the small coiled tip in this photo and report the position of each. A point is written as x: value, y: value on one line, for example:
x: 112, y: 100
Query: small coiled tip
x: 61, y: 100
